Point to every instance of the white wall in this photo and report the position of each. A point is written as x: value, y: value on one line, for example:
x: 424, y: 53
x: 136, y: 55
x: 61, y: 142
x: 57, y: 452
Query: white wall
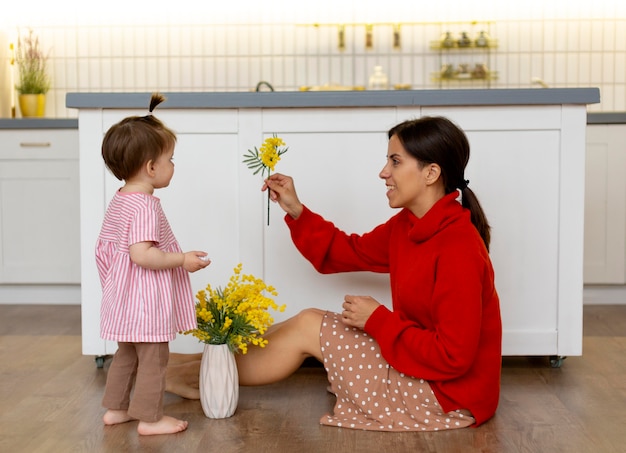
x: 134, y: 46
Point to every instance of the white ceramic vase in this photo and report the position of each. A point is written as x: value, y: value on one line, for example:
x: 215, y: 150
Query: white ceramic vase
x: 219, y: 381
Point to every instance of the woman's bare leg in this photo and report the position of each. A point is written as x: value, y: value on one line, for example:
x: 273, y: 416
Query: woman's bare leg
x: 183, y: 375
x: 176, y: 358
x: 289, y: 343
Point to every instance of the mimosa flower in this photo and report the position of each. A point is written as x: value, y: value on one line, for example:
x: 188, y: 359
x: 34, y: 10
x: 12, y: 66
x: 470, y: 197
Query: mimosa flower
x: 237, y: 315
x: 265, y: 160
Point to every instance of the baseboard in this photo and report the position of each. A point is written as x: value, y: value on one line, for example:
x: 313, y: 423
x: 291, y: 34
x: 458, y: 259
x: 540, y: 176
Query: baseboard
x: 40, y: 294
x: 604, y: 295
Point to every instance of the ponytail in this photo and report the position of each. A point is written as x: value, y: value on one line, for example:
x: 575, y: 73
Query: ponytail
x: 479, y: 219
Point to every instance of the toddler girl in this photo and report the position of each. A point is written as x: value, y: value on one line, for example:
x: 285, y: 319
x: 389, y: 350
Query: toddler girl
x: 146, y: 291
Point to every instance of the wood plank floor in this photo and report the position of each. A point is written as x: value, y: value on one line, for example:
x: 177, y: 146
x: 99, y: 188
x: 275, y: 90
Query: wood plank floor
x: 50, y: 401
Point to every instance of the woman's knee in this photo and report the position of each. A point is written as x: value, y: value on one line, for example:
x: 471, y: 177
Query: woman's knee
x: 307, y: 325
x: 310, y: 317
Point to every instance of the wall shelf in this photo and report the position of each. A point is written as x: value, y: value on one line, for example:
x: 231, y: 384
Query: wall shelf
x: 465, y: 53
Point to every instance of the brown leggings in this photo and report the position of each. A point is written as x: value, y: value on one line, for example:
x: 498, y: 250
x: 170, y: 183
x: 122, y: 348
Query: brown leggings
x: 145, y: 366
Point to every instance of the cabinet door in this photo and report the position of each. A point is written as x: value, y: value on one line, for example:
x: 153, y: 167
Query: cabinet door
x: 335, y: 158
x: 605, y: 205
x: 201, y: 204
x: 524, y: 167
x: 39, y: 222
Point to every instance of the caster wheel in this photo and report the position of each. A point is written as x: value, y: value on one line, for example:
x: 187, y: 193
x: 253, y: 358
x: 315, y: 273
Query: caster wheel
x: 100, y: 361
x: 556, y: 361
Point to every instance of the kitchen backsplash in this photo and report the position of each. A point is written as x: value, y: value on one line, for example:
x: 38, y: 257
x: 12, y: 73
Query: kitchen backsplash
x: 235, y: 57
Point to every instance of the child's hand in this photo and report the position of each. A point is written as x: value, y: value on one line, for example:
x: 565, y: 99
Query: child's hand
x: 194, y: 261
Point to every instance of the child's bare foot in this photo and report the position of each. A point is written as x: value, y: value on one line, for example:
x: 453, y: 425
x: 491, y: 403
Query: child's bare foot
x: 114, y: 417
x: 167, y: 425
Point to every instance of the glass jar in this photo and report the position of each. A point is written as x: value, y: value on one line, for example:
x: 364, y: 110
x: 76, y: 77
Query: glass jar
x: 482, y: 40
x: 378, y: 80
x: 464, y: 40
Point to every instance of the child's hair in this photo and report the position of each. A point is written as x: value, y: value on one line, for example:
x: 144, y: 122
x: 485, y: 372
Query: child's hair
x: 135, y: 140
x: 438, y: 140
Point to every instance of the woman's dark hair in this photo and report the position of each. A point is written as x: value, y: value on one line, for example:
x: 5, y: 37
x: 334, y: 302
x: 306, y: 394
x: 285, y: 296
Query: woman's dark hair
x: 135, y: 140
x: 437, y: 140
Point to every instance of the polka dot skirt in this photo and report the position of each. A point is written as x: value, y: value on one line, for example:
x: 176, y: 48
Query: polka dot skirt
x: 372, y: 395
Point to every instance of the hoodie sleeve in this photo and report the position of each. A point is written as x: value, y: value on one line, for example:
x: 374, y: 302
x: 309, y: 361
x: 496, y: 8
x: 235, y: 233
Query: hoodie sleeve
x: 330, y: 250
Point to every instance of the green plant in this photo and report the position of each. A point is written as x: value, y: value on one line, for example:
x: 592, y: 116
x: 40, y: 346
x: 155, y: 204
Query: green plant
x: 31, y: 63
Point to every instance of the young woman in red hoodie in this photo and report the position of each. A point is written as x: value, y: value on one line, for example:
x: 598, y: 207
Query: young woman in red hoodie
x: 433, y: 362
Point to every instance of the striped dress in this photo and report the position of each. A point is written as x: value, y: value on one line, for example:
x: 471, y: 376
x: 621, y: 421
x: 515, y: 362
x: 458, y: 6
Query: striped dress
x: 140, y: 305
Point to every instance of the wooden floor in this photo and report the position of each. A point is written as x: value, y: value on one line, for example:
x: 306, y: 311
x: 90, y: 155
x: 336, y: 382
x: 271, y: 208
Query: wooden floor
x: 50, y: 401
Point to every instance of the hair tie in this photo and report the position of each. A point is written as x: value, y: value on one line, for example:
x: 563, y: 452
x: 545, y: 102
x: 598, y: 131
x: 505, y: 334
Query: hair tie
x: 463, y: 184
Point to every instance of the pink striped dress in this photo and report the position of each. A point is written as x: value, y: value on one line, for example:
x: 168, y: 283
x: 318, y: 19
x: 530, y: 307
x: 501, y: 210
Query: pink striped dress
x: 140, y: 305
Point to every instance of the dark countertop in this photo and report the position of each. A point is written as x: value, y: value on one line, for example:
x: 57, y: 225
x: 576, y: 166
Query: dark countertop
x: 308, y: 99
x: 606, y: 118
x: 38, y: 123
x: 325, y: 99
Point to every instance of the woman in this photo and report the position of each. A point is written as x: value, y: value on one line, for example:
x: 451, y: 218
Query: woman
x: 433, y: 362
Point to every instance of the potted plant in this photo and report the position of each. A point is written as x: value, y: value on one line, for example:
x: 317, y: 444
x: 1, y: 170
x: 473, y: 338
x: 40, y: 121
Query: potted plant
x: 33, y: 79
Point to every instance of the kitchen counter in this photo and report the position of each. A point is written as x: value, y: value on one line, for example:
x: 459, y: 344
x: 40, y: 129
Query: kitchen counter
x: 39, y: 208
x: 38, y: 123
x: 298, y: 99
x: 606, y: 118
x: 69, y: 123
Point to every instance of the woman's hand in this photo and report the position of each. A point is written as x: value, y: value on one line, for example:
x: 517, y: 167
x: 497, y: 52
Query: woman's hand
x: 357, y: 310
x: 283, y: 192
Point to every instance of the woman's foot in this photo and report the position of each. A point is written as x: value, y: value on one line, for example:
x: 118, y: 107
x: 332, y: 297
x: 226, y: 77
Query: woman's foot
x: 167, y: 425
x: 114, y: 417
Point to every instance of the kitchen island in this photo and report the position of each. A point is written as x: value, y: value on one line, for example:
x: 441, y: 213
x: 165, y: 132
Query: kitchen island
x: 527, y: 168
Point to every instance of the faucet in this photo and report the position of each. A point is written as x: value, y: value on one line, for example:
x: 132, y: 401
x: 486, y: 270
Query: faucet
x: 263, y: 82
x: 540, y: 82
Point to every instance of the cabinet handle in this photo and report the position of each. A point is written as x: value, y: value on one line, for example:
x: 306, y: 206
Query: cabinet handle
x: 35, y: 144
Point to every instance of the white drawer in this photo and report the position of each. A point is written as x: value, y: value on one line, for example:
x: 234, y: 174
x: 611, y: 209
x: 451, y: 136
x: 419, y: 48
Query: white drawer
x: 38, y: 144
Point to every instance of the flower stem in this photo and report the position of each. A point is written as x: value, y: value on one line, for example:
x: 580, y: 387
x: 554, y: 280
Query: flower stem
x: 268, y: 198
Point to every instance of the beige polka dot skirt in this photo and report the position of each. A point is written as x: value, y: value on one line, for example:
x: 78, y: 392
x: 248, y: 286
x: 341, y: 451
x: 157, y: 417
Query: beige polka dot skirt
x: 372, y: 395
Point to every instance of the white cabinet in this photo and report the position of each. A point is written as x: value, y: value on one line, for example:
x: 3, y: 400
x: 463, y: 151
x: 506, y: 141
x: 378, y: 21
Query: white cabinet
x: 39, y: 207
x: 537, y: 228
x: 214, y: 203
x: 201, y: 202
x: 605, y: 205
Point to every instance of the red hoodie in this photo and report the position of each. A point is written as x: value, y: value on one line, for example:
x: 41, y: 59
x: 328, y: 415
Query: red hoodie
x: 445, y: 326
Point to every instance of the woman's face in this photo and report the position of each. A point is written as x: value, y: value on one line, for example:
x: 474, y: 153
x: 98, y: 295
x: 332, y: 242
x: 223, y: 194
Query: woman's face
x: 406, y: 180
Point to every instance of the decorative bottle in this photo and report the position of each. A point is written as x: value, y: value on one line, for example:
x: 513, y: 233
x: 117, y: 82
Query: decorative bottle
x: 482, y: 40
x: 447, y: 41
x: 464, y: 40
x: 378, y: 79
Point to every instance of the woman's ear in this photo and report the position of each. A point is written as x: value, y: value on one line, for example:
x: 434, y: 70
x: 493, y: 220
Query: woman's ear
x: 433, y: 173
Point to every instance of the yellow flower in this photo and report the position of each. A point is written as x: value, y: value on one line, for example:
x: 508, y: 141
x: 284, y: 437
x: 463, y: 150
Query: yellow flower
x: 270, y: 153
x: 237, y: 315
x: 265, y: 160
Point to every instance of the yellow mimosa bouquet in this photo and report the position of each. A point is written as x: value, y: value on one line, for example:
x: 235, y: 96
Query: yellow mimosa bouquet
x: 236, y: 315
